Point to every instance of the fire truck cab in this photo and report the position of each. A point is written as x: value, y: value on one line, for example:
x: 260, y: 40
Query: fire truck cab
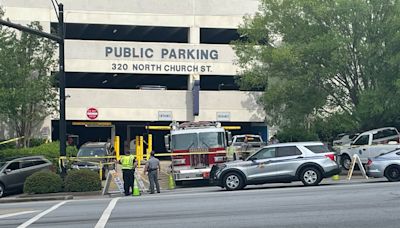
x: 202, y: 144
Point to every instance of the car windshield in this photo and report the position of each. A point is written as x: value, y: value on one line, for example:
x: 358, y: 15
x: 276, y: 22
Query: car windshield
x: 211, y: 140
x: 250, y: 139
x: 184, y: 141
x: 91, y: 152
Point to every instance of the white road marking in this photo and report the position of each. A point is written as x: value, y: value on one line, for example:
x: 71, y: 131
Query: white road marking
x: 16, y: 214
x: 106, y: 214
x: 37, y: 217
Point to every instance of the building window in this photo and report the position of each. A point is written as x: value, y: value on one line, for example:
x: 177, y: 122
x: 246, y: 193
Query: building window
x: 124, y: 33
x: 126, y: 81
x: 218, y: 36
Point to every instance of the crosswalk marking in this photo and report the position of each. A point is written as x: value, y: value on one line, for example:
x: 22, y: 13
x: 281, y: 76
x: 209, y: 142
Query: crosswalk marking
x: 37, y: 217
x: 106, y: 214
x: 16, y: 214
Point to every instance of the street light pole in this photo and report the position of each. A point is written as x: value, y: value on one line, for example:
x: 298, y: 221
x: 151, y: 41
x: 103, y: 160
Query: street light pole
x: 61, y: 78
x: 60, y: 40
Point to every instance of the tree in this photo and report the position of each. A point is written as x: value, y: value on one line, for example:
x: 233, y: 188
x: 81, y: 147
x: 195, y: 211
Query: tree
x: 27, y: 96
x: 321, y: 58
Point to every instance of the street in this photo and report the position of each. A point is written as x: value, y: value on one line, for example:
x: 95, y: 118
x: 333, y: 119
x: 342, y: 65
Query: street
x: 373, y: 203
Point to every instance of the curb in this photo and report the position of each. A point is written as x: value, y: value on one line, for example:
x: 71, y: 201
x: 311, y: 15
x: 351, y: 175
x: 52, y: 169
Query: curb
x: 39, y: 198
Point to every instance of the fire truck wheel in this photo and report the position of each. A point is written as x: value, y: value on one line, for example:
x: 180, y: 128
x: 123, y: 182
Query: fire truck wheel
x: 233, y: 181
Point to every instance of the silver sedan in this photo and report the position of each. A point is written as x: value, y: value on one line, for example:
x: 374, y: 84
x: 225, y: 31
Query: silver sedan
x: 385, y: 165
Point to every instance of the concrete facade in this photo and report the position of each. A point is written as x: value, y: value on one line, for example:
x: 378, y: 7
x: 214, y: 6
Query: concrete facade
x: 130, y: 57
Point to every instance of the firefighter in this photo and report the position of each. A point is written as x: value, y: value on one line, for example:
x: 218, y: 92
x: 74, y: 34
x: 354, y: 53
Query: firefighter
x: 152, y: 168
x: 129, y: 164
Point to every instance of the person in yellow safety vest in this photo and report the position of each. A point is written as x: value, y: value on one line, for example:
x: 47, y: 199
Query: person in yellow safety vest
x: 129, y: 164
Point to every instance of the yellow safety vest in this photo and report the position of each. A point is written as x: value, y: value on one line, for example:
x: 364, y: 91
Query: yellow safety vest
x: 127, y: 161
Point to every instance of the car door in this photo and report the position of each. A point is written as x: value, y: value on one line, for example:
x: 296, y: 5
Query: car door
x: 261, y: 167
x: 288, y: 158
x: 12, y: 175
x: 360, y: 147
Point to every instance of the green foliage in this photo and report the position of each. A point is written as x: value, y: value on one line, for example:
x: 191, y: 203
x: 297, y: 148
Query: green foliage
x: 27, y: 96
x: 328, y: 128
x: 316, y: 59
x: 50, y: 150
x: 43, y: 182
x: 82, y: 181
x: 296, y: 134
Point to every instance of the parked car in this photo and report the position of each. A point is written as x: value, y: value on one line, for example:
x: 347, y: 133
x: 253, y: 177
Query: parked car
x: 369, y: 144
x: 91, y: 154
x: 14, y: 171
x: 308, y: 162
x: 244, y: 145
x: 344, y: 139
x: 385, y: 165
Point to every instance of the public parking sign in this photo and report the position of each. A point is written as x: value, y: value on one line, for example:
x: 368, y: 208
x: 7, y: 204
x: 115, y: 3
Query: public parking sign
x: 92, y: 113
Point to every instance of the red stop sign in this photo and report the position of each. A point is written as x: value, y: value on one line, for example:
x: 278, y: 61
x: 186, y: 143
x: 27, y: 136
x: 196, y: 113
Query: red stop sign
x: 92, y: 113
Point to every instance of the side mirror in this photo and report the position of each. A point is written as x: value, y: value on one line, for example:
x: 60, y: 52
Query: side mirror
x: 7, y: 171
x: 166, y: 141
x: 229, y: 134
x: 253, y: 159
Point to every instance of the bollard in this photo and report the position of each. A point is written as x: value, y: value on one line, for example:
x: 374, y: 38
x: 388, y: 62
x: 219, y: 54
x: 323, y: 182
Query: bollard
x: 149, y: 146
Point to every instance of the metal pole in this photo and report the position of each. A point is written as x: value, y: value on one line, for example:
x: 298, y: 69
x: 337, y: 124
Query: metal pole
x: 61, y: 78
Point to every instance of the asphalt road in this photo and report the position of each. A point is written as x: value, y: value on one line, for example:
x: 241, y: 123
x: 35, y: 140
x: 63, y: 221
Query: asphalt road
x: 358, y: 204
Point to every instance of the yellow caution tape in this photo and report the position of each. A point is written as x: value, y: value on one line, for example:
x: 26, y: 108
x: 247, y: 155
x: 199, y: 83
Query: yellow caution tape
x: 11, y: 140
x: 74, y: 158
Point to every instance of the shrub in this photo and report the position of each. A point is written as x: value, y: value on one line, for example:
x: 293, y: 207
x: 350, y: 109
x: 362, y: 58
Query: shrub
x: 36, y: 142
x: 43, y: 182
x: 82, y: 181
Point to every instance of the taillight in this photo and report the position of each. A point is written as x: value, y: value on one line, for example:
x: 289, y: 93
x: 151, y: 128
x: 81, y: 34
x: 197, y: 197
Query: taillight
x: 219, y: 159
x: 180, y: 161
x: 369, y: 162
x: 330, y: 156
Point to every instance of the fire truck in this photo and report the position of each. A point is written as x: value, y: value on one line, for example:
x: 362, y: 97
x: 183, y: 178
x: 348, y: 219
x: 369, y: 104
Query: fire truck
x: 202, y: 144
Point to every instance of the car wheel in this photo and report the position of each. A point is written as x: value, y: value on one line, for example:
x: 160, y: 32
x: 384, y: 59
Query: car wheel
x: 310, y: 176
x: 345, y: 161
x: 1, y: 190
x: 392, y: 173
x: 233, y: 181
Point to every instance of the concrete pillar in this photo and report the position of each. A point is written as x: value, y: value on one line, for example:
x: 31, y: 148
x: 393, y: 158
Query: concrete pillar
x: 194, y: 35
x: 194, y: 38
x: 191, y: 79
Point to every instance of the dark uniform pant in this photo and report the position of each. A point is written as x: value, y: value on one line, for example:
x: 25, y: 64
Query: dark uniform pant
x: 153, y: 179
x: 128, y: 176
